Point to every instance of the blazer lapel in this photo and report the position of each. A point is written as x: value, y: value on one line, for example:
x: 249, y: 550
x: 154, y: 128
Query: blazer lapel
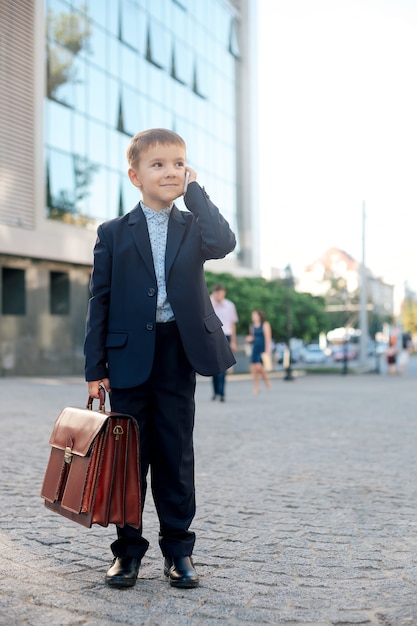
x: 176, y: 230
x: 140, y: 234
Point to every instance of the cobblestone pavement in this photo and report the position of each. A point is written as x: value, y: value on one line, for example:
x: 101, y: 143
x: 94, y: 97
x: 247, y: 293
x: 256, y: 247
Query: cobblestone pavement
x: 306, y: 511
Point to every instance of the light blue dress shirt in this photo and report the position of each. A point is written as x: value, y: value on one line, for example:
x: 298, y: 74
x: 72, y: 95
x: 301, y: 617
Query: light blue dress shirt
x: 158, y: 231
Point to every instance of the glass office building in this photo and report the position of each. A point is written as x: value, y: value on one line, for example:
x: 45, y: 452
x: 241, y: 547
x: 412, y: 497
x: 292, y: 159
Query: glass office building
x: 115, y: 67
x: 78, y: 79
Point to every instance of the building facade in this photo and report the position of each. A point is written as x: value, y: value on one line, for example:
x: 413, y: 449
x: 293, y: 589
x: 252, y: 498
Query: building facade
x: 337, y: 268
x: 78, y: 79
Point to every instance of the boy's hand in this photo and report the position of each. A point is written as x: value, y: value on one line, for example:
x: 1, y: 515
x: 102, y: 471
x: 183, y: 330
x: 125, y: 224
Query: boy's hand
x: 192, y: 176
x: 94, y: 386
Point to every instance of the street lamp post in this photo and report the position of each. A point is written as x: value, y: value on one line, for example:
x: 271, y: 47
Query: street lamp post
x: 289, y: 281
x: 345, y: 339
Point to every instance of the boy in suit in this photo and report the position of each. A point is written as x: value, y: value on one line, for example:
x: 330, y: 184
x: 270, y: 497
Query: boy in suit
x: 150, y: 327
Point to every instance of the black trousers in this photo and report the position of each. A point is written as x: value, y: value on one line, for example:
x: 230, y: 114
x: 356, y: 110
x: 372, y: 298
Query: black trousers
x: 164, y: 407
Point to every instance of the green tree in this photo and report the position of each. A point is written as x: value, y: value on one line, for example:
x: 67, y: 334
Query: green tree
x: 308, y: 314
x: 409, y: 316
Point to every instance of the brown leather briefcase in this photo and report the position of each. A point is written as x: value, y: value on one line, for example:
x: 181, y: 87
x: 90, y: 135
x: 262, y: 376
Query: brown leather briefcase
x: 92, y: 476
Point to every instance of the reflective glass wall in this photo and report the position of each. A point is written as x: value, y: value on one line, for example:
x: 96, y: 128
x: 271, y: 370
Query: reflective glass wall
x: 115, y: 67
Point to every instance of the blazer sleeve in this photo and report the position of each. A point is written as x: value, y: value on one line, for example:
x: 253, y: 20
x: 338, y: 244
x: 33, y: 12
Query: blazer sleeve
x: 98, y: 311
x: 217, y: 237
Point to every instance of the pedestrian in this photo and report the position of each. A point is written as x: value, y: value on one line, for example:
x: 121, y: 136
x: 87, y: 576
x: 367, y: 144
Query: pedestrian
x: 404, y: 355
x: 261, y: 339
x: 391, y: 355
x: 226, y: 312
x: 150, y: 327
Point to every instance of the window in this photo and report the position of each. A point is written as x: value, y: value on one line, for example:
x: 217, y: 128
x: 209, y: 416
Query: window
x: 234, y: 40
x: 13, y: 300
x: 59, y: 293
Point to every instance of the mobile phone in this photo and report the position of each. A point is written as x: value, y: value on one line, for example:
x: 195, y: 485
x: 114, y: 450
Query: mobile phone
x: 187, y: 178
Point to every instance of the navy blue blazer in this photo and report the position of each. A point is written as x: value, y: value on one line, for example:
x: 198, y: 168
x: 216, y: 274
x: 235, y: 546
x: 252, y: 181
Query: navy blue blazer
x: 120, y: 328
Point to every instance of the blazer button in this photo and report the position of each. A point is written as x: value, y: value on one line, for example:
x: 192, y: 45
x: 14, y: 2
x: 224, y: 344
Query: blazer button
x: 151, y: 291
x: 149, y: 326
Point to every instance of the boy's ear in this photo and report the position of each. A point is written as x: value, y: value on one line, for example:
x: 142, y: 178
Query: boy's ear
x: 134, y: 178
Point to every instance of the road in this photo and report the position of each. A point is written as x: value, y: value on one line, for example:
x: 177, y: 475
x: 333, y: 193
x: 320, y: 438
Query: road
x: 306, y: 511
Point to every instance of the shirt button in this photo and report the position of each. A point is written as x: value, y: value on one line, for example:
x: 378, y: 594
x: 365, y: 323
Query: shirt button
x: 149, y: 326
x: 151, y: 291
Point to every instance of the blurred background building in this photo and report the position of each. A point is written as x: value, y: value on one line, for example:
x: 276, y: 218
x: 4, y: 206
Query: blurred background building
x: 78, y: 78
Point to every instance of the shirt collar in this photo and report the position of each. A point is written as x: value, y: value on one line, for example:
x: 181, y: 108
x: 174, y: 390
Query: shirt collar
x: 150, y: 213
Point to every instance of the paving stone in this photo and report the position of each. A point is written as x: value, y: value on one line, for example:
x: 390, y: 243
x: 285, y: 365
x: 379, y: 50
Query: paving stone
x: 306, y: 511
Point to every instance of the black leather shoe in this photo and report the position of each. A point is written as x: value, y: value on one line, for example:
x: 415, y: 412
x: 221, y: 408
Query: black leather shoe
x: 123, y: 572
x: 181, y: 572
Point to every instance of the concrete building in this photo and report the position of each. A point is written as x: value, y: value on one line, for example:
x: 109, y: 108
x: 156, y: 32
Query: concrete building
x: 78, y: 78
x: 337, y: 265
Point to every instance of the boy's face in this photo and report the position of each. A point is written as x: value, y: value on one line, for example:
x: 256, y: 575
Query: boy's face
x: 160, y: 175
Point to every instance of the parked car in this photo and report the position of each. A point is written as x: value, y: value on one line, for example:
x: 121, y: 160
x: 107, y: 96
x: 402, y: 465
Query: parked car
x: 313, y: 354
x: 338, y: 352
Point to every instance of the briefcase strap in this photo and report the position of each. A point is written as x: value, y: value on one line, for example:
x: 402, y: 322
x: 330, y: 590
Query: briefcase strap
x: 101, y: 400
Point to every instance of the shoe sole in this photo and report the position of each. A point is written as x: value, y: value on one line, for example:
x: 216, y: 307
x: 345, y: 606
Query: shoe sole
x: 120, y: 584
x: 184, y: 585
x: 192, y: 584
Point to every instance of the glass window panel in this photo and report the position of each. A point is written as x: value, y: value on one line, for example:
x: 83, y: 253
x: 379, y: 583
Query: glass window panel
x: 60, y: 124
x: 223, y: 18
x: 144, y: 71
x: 123, y: 164
x: 113, y: 47
x: 79, y: 135
x: 13, y: 297
x: 159, y: 9
x: 113, y: 194
x: 116, y: 143
x: 59, y: 293
x: 97, y: 46
x: 234, y: 39
x: 179, y: 20
x: 228, y: 67
x: 158, y: 83
x: 143, y: 113
x: 97, y: 200
x: 113, y: 10
x: 131, y: 195
x: 182, y: 57
x: 60, y: 74
x: 97, y: 94
x: 133, y: 26
x: 132, y: 108
x: 129, y: 22
x: 80, y: 85
x: 159, y: 116
x: 54, y: 9
x: 86, y: 173
x: 178, y: 93
x: 199, y: 40
x: 201, y: 82
x: 112, y: 101
x: 128, y: 66
x: 97, y: 11
x: 199, y: 11
x: 159, y: 44
x: 96, y: 142
x: 61, y: 183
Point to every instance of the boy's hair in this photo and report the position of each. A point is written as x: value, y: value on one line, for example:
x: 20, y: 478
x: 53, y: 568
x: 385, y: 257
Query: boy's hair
x: 147, y: 138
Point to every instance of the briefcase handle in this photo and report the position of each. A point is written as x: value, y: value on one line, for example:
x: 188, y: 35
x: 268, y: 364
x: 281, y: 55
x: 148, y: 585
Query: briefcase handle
x: 102, y: 400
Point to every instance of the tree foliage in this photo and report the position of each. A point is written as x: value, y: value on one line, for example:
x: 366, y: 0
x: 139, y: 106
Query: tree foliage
x: 68, y: 34
x: 280, y: 302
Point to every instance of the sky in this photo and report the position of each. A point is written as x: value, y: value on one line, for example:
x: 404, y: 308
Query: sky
x: 338, y: 133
